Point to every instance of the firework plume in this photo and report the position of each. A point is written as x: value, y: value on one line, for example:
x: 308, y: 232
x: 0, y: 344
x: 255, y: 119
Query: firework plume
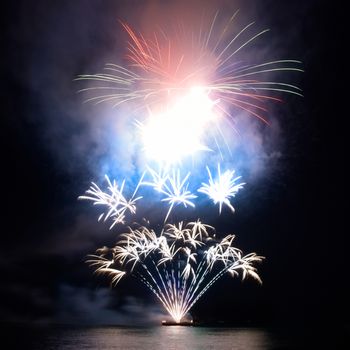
x: 188, y: 85
x: 185, y: 88
x: 178, y: 265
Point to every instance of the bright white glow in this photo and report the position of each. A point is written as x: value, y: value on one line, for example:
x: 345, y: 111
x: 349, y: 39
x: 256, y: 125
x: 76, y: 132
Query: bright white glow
x: 178, y: 131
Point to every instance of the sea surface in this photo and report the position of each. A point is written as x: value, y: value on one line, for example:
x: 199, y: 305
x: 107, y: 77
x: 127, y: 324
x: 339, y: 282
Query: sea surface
x: 170, y: 337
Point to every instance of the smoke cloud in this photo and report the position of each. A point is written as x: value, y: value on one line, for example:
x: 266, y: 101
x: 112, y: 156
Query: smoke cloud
x: 60, y: 40
x: 79, y: 305
x: 94, y: 139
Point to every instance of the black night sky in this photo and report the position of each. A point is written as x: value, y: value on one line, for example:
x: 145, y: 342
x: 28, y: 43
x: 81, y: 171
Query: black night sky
x: 293, y: 214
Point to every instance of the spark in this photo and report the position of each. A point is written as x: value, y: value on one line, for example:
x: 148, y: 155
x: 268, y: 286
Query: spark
x: 190, y: 84
x: 158, y: 179
x: 172, y: 186
x: 221, y: 189
x: 174, y: 269
x: 115, y: 201
x: 176, y: 192
x: 102, y: 266
x: 186, y: 88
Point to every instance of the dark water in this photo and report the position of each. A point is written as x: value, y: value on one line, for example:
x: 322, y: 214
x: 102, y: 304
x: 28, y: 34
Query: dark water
x: 172, y: 338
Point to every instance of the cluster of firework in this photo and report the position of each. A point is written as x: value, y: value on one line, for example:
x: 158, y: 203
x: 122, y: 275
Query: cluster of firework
x: 170, y: 185
x: 178, y: 265
x: 185, y: 89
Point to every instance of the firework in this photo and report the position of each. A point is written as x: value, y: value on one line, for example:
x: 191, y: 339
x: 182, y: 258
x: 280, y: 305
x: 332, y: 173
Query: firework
x: 177, y: 132
x: 222, y: 188
x: 115, y: 201
x: 187, y: 84
x: 173, y: 188
x: 178, y: 265
x: 186, y: 88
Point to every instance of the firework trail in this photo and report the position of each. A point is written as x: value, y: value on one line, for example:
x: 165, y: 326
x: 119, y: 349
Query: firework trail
x: 184, y: 260
x: 178, y: 265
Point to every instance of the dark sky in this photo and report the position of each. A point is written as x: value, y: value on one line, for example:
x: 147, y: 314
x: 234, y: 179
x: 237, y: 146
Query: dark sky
x: 53, y: 147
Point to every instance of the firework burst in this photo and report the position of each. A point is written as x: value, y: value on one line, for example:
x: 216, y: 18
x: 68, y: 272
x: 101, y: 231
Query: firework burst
x: 188, y: 84
x: 178, y: 265
x: 173, y: 188
x: 186, y: 88
x: 114, y: 200
x: 222, y: 188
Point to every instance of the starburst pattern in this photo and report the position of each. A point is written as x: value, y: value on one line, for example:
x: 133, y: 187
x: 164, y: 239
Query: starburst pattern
x: 173, y: 187
x: 187, y: 86
x: 115, y: 201
x: 222, y: 188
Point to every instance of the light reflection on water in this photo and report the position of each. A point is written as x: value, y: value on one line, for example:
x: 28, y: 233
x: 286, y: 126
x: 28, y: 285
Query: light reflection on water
x: 294, y: 337
x: 171, y: 337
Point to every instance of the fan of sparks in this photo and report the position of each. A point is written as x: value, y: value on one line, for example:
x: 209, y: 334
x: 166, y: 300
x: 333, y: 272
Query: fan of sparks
x: 181, y: 262
x: 178, y: 265
x: 186, y: 86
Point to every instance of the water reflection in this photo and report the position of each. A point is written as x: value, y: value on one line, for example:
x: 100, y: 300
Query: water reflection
x: 156, y: 338
x: 173, y: 338
x: 216, y: 338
